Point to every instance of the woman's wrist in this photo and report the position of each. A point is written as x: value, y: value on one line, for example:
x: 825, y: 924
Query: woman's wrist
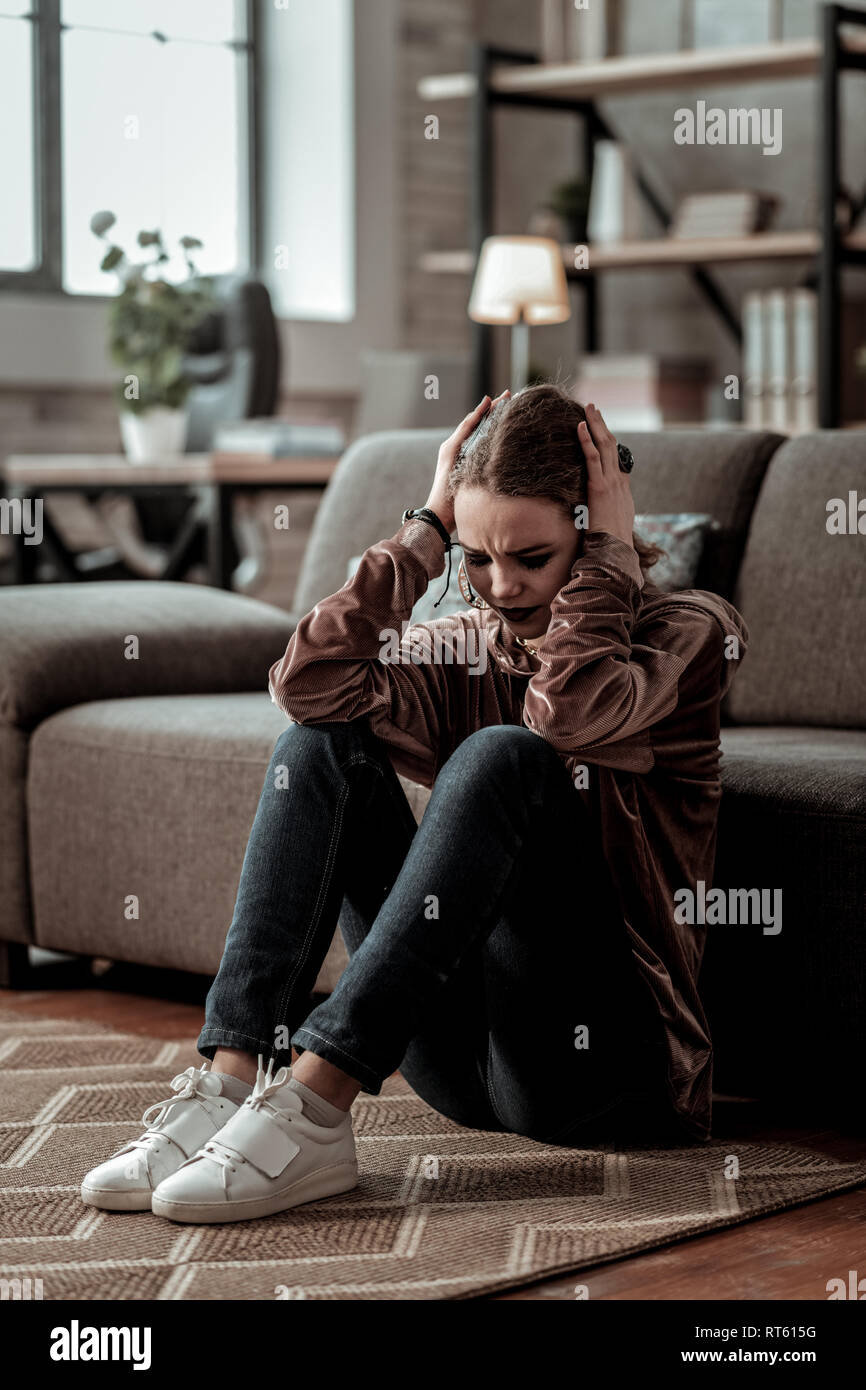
x: 436, y: 506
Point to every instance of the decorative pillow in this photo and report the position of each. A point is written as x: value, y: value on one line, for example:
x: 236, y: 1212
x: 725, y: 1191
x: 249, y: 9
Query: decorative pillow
x: 681, y: 534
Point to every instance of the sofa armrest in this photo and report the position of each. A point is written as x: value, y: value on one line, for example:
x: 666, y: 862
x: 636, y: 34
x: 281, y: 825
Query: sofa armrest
x: 64, y: 644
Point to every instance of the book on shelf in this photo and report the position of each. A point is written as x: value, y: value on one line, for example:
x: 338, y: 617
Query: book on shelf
x: 780, y: 360
x: 643, y: 390
x: 272, y: 437
x: 803, y: 390
x: 777, y: 323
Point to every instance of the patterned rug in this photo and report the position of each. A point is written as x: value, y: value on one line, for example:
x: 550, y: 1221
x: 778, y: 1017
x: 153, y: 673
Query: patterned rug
x: 441, y: 1212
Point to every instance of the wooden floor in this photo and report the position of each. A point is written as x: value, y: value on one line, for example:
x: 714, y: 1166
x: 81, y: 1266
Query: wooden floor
x: 790, y: 1255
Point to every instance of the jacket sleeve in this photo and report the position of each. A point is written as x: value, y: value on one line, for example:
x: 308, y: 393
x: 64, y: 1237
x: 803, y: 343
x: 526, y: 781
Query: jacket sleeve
x: 598, y: 693
x: 334, y: 669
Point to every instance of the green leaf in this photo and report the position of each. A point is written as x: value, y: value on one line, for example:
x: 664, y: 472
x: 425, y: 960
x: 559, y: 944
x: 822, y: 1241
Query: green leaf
x: 112, y: 257
x: 101, y: 222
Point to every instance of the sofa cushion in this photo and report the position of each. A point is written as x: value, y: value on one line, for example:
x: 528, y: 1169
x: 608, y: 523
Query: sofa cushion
x: 801, y: 591
x: 798, y: 771
x: 61, y: 644
x: 714, y: 471
x: 170, y: 786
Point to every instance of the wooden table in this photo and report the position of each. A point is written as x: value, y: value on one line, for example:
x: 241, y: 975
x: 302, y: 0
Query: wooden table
x: 213, y: 479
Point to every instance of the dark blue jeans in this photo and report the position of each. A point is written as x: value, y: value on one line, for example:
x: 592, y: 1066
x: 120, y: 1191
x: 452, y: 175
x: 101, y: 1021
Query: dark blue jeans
x: 481, y: 943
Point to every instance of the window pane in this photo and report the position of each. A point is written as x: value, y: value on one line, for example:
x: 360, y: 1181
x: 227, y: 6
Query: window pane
x: 309, y: 171
x: 17, y: 225
x: 201, y: 191
x: 15, y: 7
x: 213, y: 21
x: 150, y: 131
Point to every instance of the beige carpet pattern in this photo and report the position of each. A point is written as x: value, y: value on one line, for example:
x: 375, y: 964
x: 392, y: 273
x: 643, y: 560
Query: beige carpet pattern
x: 441, y: 1212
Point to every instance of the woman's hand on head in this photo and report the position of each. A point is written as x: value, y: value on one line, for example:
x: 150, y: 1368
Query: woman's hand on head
x: 438, y: 500
x: 609, y: 500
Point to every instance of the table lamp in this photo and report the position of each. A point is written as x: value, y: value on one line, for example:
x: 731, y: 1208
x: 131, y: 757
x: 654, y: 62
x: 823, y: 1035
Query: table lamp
x: 519, y: 280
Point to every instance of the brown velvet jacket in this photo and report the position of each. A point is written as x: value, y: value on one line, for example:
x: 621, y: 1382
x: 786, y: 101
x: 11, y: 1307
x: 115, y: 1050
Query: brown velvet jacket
x: 627, y: 683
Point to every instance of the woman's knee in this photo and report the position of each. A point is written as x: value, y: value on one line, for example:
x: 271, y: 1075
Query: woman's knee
x: 499, y: 744
x: 298, y: 740
x: 500, y: 750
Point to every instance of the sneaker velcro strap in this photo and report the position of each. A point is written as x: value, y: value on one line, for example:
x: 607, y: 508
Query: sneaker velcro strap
x: 190, y: 1126
x: 259, y: 1139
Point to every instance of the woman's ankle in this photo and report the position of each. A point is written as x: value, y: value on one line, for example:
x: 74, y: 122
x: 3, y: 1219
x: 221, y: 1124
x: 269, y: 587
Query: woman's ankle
x: 233, y: 1062
x: 325, y: 1079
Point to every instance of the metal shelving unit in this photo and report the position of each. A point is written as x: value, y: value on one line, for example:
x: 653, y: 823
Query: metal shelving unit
x: 504, y: 77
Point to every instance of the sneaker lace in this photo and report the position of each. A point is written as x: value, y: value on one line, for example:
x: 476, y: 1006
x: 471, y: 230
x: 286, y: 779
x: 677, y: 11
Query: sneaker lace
x: 265, y: 1086
x: 187, y: 1085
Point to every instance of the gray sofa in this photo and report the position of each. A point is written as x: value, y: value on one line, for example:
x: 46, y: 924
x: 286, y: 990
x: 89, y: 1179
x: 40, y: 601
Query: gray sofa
x: 130, y: 774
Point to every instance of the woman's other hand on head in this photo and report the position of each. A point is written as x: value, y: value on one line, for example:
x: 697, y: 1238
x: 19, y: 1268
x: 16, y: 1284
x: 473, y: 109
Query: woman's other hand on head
x: 609, y: 499
x: 438, y: 501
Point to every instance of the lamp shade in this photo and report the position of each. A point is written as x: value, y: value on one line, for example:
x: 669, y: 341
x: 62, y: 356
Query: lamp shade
x: 519, y: 278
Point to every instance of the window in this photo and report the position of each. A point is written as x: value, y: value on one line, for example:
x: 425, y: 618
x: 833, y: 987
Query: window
x: 308, y: 164
x: 142, y: 109
x: 17, y: 137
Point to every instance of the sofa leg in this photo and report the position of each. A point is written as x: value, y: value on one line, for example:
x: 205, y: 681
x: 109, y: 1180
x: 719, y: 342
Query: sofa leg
x: 14, y: 965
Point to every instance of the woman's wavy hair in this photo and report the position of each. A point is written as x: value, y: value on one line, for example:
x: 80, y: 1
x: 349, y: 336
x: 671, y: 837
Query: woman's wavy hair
x: 528, y: 446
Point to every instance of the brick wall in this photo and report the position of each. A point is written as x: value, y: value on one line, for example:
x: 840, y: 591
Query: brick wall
x: 433, y: 174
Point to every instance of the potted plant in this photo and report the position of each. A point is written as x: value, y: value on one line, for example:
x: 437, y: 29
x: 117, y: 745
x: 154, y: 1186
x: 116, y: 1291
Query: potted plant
x: 150, y: 323
x: 570, y: 200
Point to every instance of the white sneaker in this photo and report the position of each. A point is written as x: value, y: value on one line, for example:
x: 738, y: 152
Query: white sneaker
x: 270, y: 1156
x: 125, y: 1182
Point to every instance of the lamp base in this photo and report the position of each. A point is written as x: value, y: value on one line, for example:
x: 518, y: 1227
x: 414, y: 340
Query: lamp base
x: 519, y: 355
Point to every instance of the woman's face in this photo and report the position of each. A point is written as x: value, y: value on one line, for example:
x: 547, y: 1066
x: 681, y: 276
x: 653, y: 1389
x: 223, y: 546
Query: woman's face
x: 492, y: 531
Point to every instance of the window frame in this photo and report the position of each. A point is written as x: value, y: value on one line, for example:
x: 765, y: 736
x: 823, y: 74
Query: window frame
x: 47, y: 276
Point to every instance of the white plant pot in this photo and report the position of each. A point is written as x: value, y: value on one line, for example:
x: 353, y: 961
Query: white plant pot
x: 154, y: 436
